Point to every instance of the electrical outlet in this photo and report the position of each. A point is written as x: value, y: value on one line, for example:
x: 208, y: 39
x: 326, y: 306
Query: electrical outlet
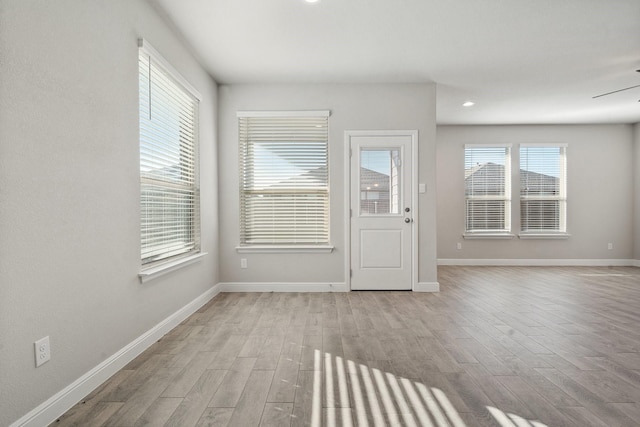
x: 459, y: 245
x: 610, y: 246
x: 243, y: 263
x: 42, y: 351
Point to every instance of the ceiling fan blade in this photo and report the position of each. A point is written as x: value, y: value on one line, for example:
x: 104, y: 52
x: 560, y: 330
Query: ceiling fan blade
x: 619, y: 90
x: 616, y: 91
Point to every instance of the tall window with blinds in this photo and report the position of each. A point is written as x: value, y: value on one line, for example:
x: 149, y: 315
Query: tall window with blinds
x: 169, y: 193
x: 543, y: 189
x: 487, y: 177
x: 284, y: 181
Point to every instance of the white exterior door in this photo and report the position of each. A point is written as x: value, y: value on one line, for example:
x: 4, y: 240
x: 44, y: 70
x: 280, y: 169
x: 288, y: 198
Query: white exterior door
x: 381, y: 210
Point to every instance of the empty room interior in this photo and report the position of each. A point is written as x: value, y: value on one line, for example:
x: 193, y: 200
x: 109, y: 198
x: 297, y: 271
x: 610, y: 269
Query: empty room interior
x: 319, y: 213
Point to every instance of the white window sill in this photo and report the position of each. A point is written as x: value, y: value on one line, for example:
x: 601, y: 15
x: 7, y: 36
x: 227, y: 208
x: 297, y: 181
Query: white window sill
x: 560, y: 236
x: 284, y: 249
x: 159, y: 270
x: 488, y: 235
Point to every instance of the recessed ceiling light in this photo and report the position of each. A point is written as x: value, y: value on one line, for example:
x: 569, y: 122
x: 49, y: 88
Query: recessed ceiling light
x: 468, y: 104
x: 312, y: 1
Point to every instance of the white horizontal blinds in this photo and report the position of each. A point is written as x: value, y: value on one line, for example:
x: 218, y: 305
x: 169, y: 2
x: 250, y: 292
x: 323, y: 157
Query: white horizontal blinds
x: 487, y: 173
x: 284, y: 182
x: 543, y: 195
x: 169, y: 197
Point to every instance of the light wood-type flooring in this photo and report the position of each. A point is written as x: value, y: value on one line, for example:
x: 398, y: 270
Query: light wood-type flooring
x: 498, y: 346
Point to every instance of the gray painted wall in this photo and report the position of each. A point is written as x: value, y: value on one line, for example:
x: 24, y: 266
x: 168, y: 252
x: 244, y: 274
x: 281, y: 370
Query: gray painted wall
x: 353, y: 107
x: 599, y: 192
x: 69, y: 189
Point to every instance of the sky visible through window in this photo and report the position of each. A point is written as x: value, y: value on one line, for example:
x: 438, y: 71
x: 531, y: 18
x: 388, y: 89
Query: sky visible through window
x: 272, y: 165
x: 479, y: 157
x: 376, y: 160
x: 545, y: 167
x: 544, y: 160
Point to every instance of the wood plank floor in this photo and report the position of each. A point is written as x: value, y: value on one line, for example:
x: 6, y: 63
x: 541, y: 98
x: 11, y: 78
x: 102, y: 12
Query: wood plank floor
x: 498, y: 346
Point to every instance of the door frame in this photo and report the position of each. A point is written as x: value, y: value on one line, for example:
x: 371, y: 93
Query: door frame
x: 348, y: 134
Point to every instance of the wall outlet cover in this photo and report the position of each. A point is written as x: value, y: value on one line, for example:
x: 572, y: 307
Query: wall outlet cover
x: 42, y: 351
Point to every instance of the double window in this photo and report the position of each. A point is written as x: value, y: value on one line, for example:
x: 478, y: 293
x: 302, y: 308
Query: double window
x: 487, y: 178
x: 284, y: 178
x: 543, y: 194
x: 543, y: 189
x: 169, y: 190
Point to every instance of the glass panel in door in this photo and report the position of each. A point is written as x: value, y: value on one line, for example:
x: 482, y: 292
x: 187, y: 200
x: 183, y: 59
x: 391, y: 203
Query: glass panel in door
x: 380, y: 181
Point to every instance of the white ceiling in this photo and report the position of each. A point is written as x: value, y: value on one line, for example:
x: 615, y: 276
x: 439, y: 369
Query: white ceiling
x: 520, y: 61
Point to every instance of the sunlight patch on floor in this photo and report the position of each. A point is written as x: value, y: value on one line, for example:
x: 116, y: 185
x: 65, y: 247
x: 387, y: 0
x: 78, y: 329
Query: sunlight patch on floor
x: 512, y: 420
x: 357, y: 394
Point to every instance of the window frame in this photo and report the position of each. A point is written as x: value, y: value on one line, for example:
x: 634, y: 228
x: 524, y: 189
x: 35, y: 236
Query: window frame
x: 246, y: 187
x: 506, y: 198
x: 561, y: 198
x: 187, y: 186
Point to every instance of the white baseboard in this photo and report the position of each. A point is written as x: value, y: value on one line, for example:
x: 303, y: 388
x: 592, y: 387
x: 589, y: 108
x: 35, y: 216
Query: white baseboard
x: 283, y: 287
x: 636, y: 263
x: 427, y: 287
x: 50, y: 410
x: 541, y: 262
x: 306, y: 287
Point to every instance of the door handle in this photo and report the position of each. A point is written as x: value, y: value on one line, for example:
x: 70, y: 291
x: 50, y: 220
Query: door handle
x: 407, y: 220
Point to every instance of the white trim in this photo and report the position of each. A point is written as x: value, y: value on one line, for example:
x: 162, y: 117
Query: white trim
x: 161, y: 269
x: 146, y: 47
x: 284, y: 249
x: 347, y: 206
x: 427, y: 287
x: 415, y: 186
x: 488, y: 235
x: 47, y: 412
x: 414, y: 197
x: 283, y: 287
x: 539, y: 262
x: 497, y: 145
x: 560, y: 236
x: 636, y: 263
x: 296, y: 113
x: 544, y: 144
